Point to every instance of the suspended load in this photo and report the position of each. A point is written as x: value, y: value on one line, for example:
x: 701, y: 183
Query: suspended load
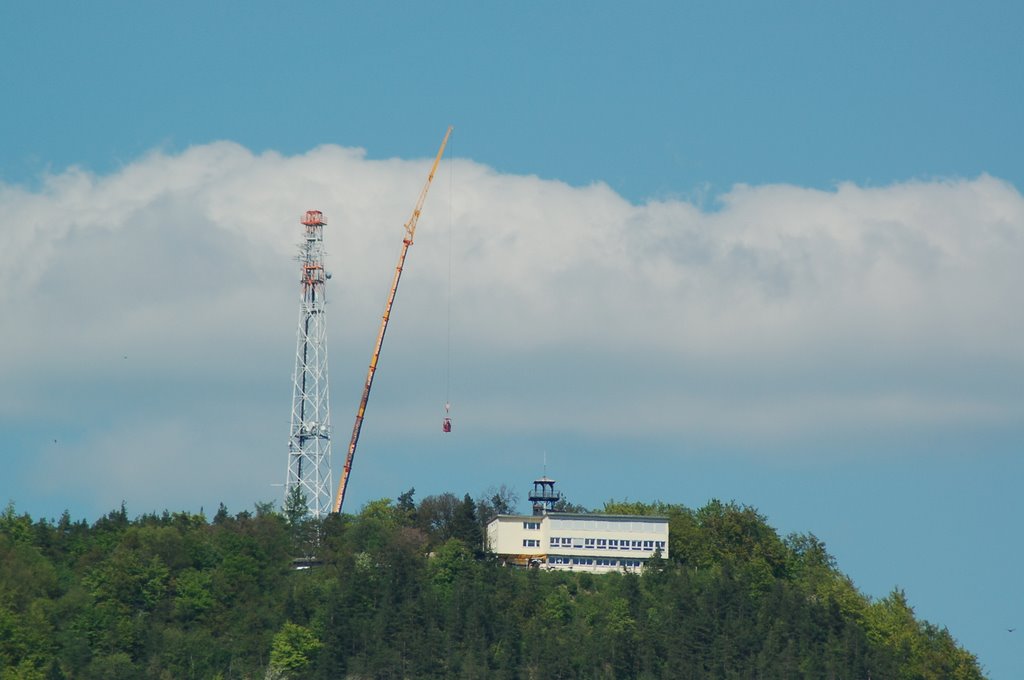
x: 446, y: 425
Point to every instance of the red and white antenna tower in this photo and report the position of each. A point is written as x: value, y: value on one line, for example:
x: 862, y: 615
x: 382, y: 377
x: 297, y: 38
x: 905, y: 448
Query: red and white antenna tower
x: 309, y: 445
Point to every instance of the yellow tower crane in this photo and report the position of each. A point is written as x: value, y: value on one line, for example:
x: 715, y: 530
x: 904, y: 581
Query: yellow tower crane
x: 410, y: 232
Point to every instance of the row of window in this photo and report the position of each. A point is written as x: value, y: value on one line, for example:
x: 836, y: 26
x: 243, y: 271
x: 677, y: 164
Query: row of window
x: 599, y: 525
x: 594, y: 561
x: 632, y: 527
x: 606, y: 544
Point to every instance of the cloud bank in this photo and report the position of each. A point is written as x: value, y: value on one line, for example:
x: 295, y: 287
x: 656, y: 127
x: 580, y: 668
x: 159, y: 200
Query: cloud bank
x: 149, y: 315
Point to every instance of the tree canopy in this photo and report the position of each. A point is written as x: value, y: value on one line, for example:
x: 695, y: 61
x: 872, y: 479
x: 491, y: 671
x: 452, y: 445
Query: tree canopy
x: 406, y: 589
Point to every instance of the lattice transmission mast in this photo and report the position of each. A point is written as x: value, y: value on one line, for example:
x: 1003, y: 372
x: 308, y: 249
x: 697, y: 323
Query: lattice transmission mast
x: 309, y: 446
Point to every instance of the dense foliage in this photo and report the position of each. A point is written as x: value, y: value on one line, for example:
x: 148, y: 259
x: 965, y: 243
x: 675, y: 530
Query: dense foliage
x: 403, y: 590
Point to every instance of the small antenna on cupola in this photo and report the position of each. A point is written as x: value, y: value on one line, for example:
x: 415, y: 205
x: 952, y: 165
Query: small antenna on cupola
x: 544, y: 495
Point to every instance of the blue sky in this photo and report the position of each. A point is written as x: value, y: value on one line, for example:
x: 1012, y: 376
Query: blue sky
x: 756, y: 251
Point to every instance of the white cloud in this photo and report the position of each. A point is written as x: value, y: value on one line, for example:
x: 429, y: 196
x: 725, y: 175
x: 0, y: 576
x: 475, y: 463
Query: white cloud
x: 781, y: 312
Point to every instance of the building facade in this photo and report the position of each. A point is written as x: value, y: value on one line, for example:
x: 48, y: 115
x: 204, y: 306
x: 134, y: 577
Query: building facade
x: 580, y: 542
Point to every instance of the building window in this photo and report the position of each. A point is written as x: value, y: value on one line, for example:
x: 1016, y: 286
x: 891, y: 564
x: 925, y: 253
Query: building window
x: 566, y: 541
x: 660, y: 545
x: 531, y: 525
x: 636, y: 545
x: 648, y: 545
x: 588, y: 543
x: 613, y: 543
x: 531, y: 543
x: 555, y: 542
x: 602, y: 543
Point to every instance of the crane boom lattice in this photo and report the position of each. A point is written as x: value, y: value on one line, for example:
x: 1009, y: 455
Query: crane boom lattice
x: 410, y: 233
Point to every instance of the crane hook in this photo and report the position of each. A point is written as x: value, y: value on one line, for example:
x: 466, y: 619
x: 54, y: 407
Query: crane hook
x: 446, y: 424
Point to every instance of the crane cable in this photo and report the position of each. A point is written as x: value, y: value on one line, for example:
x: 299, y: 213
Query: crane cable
x: 448, y: 357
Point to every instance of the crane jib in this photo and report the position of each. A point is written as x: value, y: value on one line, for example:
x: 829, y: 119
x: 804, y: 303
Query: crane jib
x: 410, y: 230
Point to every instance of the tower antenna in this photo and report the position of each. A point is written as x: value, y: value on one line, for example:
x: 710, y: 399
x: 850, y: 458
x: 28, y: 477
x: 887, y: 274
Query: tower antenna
x: 309, y: 444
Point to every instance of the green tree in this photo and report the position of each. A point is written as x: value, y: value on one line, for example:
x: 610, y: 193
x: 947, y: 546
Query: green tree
x: 436, y: 516
x: 302, y: 529
x: 171, y: 596
x: 296, y: 507
x: 563, y: 504
x: 466, y: 527
x: 406, y: 506
x: 293, y: 650
x: 193, y: 596
x: 17, y: 528
x: 496, y: 501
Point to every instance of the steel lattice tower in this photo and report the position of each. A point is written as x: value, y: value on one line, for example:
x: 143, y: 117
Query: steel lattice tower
x: 309, y: 446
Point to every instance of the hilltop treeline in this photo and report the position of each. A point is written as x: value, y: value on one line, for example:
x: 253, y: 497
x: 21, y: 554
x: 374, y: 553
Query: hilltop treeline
x: 403, y: 590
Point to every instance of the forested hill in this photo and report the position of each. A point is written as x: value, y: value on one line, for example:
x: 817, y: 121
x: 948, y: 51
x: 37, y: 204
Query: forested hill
x: 404, y: 591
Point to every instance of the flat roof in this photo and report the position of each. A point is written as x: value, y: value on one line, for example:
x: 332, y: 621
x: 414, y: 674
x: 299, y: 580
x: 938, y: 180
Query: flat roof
x: 588, y: 515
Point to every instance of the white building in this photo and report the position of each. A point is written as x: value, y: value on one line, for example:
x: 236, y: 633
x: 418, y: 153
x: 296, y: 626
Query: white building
x: 590, y: 542
x: 566, y: 540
